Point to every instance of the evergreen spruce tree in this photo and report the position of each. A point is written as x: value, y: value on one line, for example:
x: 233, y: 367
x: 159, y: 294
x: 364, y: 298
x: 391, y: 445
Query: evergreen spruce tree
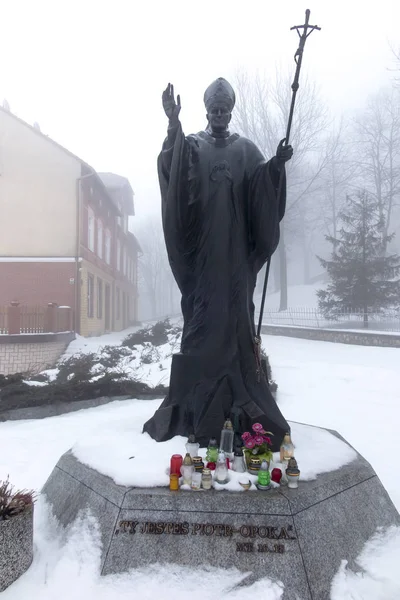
x: 363, y: 278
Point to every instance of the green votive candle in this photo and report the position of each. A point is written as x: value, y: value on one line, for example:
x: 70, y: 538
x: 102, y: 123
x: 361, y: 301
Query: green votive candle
x: 264, y: 477
x: 212, y: 451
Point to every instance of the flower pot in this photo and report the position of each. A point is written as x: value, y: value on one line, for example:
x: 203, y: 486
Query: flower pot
x: 16, y: 547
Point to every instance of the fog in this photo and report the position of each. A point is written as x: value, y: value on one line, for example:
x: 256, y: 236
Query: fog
x: 92, y: 73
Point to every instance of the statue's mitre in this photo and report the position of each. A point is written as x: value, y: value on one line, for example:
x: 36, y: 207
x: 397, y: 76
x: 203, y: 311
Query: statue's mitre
x: 219, y: 91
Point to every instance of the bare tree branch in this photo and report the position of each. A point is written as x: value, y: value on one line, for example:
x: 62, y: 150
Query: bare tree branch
x: 261, y: 114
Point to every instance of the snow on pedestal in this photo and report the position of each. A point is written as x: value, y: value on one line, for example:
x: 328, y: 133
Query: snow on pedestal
x: 134, y: 459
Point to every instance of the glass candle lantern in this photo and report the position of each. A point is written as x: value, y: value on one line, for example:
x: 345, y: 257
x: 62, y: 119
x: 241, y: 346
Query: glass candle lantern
x: 196, y: 480
x: 198, y: 464
x: 293, y: 479
x: 187, y: 469
x: 293, y: 473
x: 283, y: 467
x: 206, y: 479
x: 212, y: 451
x: 176, y: 463
x: 174, y: 482
x: 254, y: 465
x: 239, y: 462
x: 221, y: 470
x: 227, y: 435
x: 287, y: 448
x: 192, y: 446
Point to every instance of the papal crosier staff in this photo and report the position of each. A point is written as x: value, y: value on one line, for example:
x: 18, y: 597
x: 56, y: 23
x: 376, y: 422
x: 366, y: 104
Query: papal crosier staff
x: 221, y: 219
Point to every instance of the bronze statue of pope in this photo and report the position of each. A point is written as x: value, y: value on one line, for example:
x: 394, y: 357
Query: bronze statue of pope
x: 221, y: 216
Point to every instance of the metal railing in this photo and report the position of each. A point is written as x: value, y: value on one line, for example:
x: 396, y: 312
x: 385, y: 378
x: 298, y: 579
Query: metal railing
x: 3, y: 320
x: 32, y: 319
x: 389, y: 320
x: 20, y: 319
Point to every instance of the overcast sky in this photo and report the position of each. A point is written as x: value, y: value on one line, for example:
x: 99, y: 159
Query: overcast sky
x: 91, y: 72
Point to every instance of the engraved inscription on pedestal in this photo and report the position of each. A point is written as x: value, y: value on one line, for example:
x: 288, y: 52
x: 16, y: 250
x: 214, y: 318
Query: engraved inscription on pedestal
x: 255, y: 532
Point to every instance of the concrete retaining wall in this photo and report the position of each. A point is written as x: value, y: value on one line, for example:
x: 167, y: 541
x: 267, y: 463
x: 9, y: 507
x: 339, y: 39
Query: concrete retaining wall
x: 359, y: 338
x: 31, y: 353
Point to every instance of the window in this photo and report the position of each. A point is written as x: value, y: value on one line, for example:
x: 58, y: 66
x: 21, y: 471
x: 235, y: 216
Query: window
x: 99, y: 238
x: 118, y: 255
x: 123, y: 309
x: 99, y: 298
x: 108, y: 246
x: 126, y: 222
x: 124, y: 258
x: 90, y: 296
x: 118, y: 304
x: 91, y: 229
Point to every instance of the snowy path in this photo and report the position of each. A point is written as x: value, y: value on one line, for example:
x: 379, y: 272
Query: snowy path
x: 352, y: 389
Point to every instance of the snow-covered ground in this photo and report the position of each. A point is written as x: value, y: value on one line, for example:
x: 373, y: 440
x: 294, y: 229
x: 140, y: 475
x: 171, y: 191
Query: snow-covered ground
x: 84, y: 345
x: 143, y: 362
x: 352, y: 389
x: 298, y: 295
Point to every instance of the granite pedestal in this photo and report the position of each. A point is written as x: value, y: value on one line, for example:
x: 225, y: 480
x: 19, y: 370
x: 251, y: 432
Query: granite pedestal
x: 297, y: 536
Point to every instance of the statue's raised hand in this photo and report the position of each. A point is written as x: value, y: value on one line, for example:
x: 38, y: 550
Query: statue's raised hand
x: 171, y: 108
x: 284, y: 152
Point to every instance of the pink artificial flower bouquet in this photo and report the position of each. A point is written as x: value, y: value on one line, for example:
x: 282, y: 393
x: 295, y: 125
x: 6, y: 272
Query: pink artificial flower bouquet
x: 258, y: 443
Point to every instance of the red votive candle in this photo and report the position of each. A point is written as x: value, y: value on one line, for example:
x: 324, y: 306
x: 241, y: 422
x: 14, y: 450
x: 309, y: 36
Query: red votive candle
x: 176, y: 463
x: 276, y: 475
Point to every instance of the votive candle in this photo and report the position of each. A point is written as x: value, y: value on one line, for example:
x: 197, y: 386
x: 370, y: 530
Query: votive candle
x: 176, y: 463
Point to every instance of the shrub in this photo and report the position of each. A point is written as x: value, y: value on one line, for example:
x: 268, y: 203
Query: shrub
x: 110, y: 356
x: 77, y: 367
x: 13, y: 502
x: 11, y: 379
x: 149, y: 355
x: 157, y: 335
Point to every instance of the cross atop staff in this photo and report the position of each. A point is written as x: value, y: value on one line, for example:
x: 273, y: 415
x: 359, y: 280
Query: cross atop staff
x: 305, y: 26
x: 307, y: 30
x: 298, y: 57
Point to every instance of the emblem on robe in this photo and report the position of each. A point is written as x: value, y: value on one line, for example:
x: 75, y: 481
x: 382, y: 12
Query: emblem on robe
x: 220, y: 171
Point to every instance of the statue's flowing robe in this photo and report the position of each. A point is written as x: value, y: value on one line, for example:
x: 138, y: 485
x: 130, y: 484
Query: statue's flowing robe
x: 221, y: 219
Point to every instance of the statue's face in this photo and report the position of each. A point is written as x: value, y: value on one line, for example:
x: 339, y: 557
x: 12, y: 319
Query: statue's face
x: 219, y: 117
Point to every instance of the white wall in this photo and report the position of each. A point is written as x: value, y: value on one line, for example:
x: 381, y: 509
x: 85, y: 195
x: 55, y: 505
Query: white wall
x: 37, y: 193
